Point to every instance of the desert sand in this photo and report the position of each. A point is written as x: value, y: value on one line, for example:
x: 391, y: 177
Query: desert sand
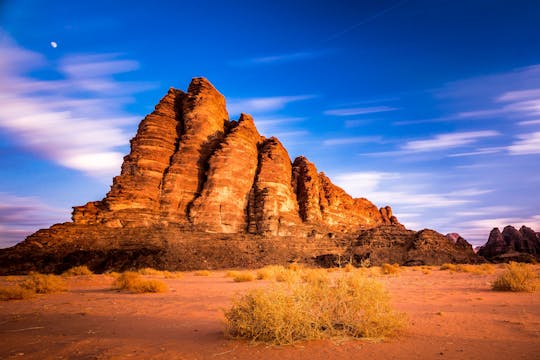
x: 451, y: 316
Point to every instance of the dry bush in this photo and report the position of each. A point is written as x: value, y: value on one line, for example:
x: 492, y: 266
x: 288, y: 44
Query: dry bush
x: 134, y: 283
x: 78, y: 271
x: 16, y: 292
x: 243, y: 277
x: 44, y: 284
x: 202, y: 273
x: 294, y: 266
x: 163, y: 273
x: 269, y: 272
x: 448, y: 266
x: 468, y: 268
x: 332, y: 269
x: 352, y: 305
x: 151, y: 272
x: 349, y: 267
x: 389, y: 269
x: 231, y: 273
x: 286, y: 275
x: 517, y: 277
x: 315, y: 277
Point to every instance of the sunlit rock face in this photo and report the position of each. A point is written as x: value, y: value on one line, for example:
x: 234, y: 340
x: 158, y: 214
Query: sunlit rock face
x: 189, y: 164
x: 201, y: 190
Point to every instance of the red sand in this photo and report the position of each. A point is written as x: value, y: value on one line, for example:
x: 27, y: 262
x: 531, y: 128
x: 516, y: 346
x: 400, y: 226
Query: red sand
x: 451, y: 316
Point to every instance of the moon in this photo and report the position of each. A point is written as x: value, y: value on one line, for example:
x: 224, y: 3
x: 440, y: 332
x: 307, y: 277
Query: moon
x: 54, y: 45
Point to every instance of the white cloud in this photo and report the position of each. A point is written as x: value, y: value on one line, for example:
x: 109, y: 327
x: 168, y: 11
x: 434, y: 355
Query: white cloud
x: 262, y: 104
x: 352, y: 140
x: 527, y: 144
x: 359, y: 110
x: 75, y: 120
x: 447, y: 141
x: 519, y: 95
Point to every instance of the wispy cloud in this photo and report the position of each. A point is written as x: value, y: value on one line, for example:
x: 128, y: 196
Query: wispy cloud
x: 359, y: 110
x: 529, y: 122
x: 279, y: 58
x: 352, y: 140
x: 75, y: 120
x: 448, y: 141
x: 526, y: 145
x: 263, y: 104
x: 21, y: 216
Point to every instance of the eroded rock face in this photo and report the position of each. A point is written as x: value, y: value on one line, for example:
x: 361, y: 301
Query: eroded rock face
x: 512, y: 245
x: 194, y: 174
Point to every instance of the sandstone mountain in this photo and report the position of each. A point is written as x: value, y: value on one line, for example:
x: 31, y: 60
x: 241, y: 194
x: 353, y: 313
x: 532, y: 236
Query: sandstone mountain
x: 512, y: 245
x: 200, y: 190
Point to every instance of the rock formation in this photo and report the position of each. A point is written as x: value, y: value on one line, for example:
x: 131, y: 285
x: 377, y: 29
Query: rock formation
x: 512, y: 245
x: 200, y: 190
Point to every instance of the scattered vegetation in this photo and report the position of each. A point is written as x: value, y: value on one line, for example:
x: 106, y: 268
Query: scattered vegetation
x: 517, y: 277
x: 231, y: 273
x: 16, y: 292
x: 202, y: 273
x: 243, y: 277
x: 163, y: 273
x: 271, y: 272
x: 133, y: 282
x: 351, y: 305
x: 44, y: 284
x: 78, y: 271
x: 468, y: 268
x: 389, y: 269
x: 349, y: 267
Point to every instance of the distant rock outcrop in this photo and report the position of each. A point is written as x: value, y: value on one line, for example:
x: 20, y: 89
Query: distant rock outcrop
x: 199, y: 190
x: 512, y: 245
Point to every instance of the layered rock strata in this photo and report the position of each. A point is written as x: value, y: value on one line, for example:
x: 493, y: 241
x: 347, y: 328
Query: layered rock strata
x: 192, y: 173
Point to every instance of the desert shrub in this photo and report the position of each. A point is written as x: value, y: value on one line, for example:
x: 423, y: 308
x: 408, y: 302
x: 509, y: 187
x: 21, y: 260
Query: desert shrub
x: 294, y: 266
x: 202, y: 273
x: 448, y: 266
x: 286, y: 275
x: 352, y: 305
x: 133, y: 282
x: 44, y: 284
x: 151, y: 272
x: 389, y: 269
x: 517, y: 277
x: 231, y: 273
x: 78, y: 271
x: 16, y: 292
x: 349, y: 267
x: 469, y: 268
x: 315, y: 277
x: 365, y: 263
x: 243, y: 277
x: 269, y: 272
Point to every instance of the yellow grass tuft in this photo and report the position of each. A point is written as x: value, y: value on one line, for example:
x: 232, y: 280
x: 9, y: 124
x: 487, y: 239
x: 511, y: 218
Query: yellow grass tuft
x: 269, y: 272
x: 134, y: 283
x: 468, y: 268
x: 44, y: 284
x: 163, y: 273
x: 202, y: 273
x: 78, y: 271
x: 16, y: 292
x: 243, y: 277
x: 231, y: 273
x: 517, y: 277
x: 349, y: 267
x: 389, y: 269
x: 352, y: 305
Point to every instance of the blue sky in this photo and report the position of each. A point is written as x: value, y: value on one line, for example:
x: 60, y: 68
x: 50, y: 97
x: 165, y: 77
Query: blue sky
x: 431, y: 106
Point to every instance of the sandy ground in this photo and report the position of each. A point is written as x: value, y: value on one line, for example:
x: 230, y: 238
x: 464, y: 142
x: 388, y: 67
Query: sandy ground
x: 451, y: 316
